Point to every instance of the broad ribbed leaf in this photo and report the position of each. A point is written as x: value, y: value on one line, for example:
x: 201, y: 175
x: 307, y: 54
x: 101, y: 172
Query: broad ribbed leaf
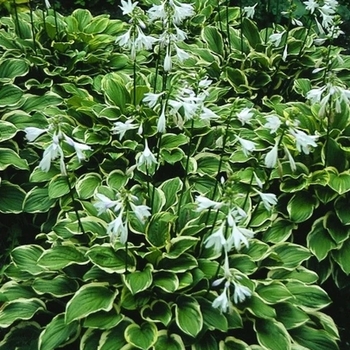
x: 7, y: 131
x: 11, y: 68
x: 141, y: 336
x: 188, y: 315
x: 26, y: 258
x: 59, y: 286
x: 290, y: 315
x: 11, y: 198
x: 342, y: 256
x: 115, y: 90
x: 87, y: 184
x: 37, y: 200
x: 58, y: 186
x: 20, y: 309
x: 301, y: 206
x: 10, y: 95
x: 57, y: 333
x: 138, y: 281
x: 272, y: 335
x: 158, y: 311
x: 88, y: 299
x: 8, y: 157
x: 168, y: 341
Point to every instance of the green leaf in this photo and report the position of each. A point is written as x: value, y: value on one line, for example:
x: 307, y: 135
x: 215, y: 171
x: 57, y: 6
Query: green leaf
x: 26, y: 258
x: 138, y: 281
x: 7, y: 132
x: 170, y: 189
x: 115, y: 90
x: 290, y: 315
x: 273, y: 292
x: 158, y: 229
x: 109, y: 260
x: 272, y: 335
x: 158, y: 311
x: 12, y: 290
x: 166, y: 280
x: 188, y: 315
x: 37, y: 200
x: 88, y: 299
x: 232, y: 343
x: 291, y: 255
x: 141, y: 336
x: 117, y: 179
x: 237, y: 79
x: 173, y: 141
x: 8, y: 157
x: 57, y: 333
x: 313, y: 339
x: 336, y: 229
x: 60, y: 286
x: 339, y: 182
x: 212, y: 317
x: 10, y: 95
x: 11, y: 198
x: 259, y: 308
x: 301, y: 206
x: 207, y: 163
x: 61, y: 256
x: 39, y: 103
x: 342, y: 211
x: 58, y: 186
x: 20, y: 309
x: 12, y: 68
x: 251, y: 32
x: 168, y: 341
x: 213, y: 39
x: 342, y: 256
x: 279, y: 231
x: 319, y: 241
x: 103, y: 320
x: 178, y: 245
x: 308, y: 296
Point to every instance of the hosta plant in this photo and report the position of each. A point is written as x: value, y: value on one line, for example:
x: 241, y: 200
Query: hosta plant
x: 163, y: 163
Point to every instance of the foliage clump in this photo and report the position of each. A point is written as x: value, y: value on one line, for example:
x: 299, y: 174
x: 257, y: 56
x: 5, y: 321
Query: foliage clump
x: 184, y: 173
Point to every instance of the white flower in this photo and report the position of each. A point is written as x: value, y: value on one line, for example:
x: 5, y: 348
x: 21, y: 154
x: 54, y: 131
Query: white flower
x: 167, y: 61
x: 207, y: 114
x: 161, y: 124
x: 272, y: 156
x: 205, y: 83
x: 240, y: 293
x: 285, y: 53
x: 118, y: 229
x: 292, y: 164
x: 181, y: 11
x: 206, y: 203
x: 157, y: 12
x: 125, y: 39
x: 32, y: 132
x: 304, y: 141
x: 268, y: 199
x: 239, y: 236
x: 311, y: 5
x: 273, y: 123
x: 181, y: 55
x: 249, y: 11
x: 258, y: 181
x: 315, y: 95
x: 147, y: 157
x: 247, y: 145
x: 121, y: 128
x: 143, y: 41
x: 127, y: 6
x: 141, y: 211
x: 53, y: 151
x: 151, y: 98
x: 276, y: 38
x: 78, y: 147
x: 105, y: 203
x: 222, y: 302
x: 245, y: 115
x: 217, y: 239
x: 180, y: 34
x: 47, y: 4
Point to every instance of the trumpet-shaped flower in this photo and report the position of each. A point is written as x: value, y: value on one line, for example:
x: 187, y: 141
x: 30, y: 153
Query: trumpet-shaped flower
x: 240, y: 293
x: 151, y: 98
x: 121, y: 128
x: 249, y: 11
x: 272, y: 156
x: 245, y: 115
x: 276, y: 38
x: 206, y: 203
x: 268, y: 199
x: 104, y: 203
x: 118, y: 229
x: 181, y: 11
x: 32, y: 132
x: 147, y: 157
x: 217, y: 239
x: 141, y: 211
x: 161, y: 124
x: 78, y: 147
x: 311, y: 5
x: 53, y: 151
x: 247, y: 145
x: 303, y: 141
x: 222, y: 302
x: 127, y: 6
x: 239, y: 236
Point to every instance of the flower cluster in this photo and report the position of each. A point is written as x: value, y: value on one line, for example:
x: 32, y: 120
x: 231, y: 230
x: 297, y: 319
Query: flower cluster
x: 122, y: 206
x: 54, y: 149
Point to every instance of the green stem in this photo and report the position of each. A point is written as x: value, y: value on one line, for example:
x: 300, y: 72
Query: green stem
x: 32, y: 25
x: 17, y: 19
